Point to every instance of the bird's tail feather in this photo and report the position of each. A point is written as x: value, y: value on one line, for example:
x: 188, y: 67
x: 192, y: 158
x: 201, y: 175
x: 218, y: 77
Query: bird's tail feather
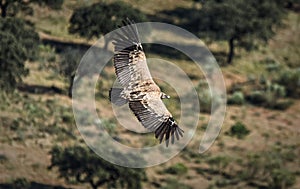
x: 115, y: 96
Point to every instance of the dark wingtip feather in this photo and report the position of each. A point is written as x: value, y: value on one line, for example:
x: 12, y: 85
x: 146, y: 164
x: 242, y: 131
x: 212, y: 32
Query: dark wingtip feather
x: 168, y: 129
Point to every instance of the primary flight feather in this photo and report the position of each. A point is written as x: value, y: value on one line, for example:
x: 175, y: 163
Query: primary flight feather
x: 138, y: 88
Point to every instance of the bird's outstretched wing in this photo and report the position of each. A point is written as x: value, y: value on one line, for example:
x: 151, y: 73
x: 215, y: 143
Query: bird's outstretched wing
x: 154, y: 115
x: 145, y: 96
x: 129, y: 58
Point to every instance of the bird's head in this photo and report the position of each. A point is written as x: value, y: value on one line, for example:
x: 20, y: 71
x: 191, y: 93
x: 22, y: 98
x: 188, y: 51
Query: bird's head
x: 163, y: 95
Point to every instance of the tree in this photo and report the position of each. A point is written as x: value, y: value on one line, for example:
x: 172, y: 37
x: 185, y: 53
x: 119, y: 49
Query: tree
x: 24, y: 34
x: 101, y: 18
x: 53, y: 4
x: 12, y: 60
x: 69, y: 63
x: 12, y: 7
x: 290, y: 4
x: 19, y: 43
x: 239, y: 22
x: 83, y: 165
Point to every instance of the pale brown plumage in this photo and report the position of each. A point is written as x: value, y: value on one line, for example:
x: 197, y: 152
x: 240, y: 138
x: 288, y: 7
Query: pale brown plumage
x: 139, y: 89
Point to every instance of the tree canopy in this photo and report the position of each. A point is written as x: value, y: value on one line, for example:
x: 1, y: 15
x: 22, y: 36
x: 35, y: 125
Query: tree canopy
x: 101, y: 18
x: 239, y: 22
x: 24, y: 34
x: 83, y: 165
x: 12, y: 58
x: 12, y: 7
x: 19, y: 43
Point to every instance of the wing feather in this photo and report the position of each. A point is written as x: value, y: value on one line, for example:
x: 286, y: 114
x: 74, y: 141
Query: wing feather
x: 154, y: 116
x: 132, y: 30
x: 129, y: 58
x: 134, y: 76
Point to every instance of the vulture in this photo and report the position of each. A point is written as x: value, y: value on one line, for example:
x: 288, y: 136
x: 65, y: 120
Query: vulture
x: 138, y: 89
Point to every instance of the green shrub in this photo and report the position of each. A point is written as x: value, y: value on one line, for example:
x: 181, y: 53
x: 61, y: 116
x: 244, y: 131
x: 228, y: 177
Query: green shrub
x: 282, y: 104
x: 20, y: 183
x: 206, y: 97
x: 239, y: 130
x: 257, y: 97
x: 282, y: 178
x: 277, y: 90
x: 271, y: 98
x: 15, y: 124
x: 3, y: 158
x: 236, y: 98
x: 67, y: 117
x: 263, y: 92
x: 269, y: 168
x: 291, y: 80
x: 177, y: 169
x: 205, y: 101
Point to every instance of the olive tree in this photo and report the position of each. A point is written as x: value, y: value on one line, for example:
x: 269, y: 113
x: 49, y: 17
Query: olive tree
x: 84, y: 166
x: 101, y: 18
x: 12, y: 7
x: 18, y: 44
x: 239, y: 22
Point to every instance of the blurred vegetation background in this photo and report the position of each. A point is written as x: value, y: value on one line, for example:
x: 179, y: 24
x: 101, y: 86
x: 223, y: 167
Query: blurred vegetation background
x: 256, y: 43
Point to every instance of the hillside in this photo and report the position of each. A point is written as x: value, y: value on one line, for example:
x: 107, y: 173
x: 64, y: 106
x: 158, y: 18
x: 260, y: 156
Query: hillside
x: 39, y: 114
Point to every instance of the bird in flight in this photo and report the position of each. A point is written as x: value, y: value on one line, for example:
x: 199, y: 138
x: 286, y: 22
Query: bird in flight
x: 138, y: 88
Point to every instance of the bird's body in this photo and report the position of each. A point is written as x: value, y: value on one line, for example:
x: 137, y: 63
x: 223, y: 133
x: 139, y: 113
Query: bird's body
x: 138, y: 88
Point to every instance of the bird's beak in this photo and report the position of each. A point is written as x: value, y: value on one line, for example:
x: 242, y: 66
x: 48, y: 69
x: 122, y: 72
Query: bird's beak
x: 164, y: 96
